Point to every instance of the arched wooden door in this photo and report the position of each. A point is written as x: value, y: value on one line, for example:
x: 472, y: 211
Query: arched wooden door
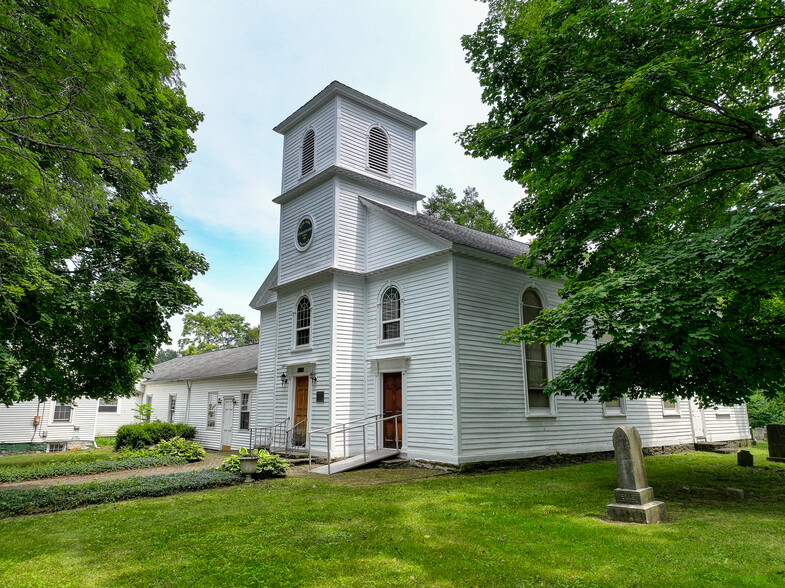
x: 392, y: 403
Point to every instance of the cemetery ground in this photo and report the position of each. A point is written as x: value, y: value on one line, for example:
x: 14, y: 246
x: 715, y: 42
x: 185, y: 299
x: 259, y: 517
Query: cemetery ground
x: 537, y: 527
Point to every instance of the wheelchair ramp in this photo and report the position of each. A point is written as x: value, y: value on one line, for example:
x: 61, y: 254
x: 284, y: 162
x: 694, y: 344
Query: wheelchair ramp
x: 356, y: 461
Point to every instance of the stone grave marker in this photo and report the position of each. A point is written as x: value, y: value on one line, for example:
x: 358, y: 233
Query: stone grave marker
x: 744, y: 458
x: 760, y: 433
x: 634, y: 497
x: 776, y: 436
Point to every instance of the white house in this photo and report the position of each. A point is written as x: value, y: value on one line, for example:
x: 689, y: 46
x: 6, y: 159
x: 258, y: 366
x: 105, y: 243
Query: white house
x: 374, y: 310
x: 212, y: 392
x: 47, y: 426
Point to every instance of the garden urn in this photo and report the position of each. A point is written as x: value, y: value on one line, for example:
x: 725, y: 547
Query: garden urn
x: 248, y: 466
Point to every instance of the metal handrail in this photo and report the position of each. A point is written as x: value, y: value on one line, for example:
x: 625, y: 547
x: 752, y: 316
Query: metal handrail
x: 343, y: 429
x: 290, y: 433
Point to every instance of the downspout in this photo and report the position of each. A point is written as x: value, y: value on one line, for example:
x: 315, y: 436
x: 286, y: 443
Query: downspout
x: 188, y: 401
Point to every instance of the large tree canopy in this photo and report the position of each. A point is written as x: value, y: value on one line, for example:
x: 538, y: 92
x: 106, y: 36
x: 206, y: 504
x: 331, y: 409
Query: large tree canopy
x: 202, y: 332
x: 469, y: 211
x: 92, y: 121
x: 649, y: 137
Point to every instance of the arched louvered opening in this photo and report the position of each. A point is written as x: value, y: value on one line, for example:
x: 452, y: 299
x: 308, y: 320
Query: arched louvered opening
x: 308, y: 151
x: 378, y: 150
x: 303, y: 328
x: 535, y: 355
x: 391, y: 314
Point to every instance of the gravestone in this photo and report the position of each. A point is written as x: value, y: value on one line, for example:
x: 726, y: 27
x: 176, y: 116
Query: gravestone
x: 634, y: 497
x: 744, y: 458
x: 760, y: 433
x: 776, y: 436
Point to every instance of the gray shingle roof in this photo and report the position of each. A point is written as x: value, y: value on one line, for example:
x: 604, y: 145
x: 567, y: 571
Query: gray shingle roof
x: 459, y: 234
x: 224, y: 362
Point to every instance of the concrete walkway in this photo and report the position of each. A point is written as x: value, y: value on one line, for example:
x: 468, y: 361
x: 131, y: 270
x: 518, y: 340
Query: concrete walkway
x: 212, y: 459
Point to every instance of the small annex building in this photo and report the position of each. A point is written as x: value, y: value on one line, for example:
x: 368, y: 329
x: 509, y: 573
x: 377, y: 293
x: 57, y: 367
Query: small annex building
x: 374, y: 310
x: 210, y: 391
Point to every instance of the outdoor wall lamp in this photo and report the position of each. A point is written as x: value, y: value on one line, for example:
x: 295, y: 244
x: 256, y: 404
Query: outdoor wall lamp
x: 220, y: 401
x: 284, y: 379
x: 313, y: 377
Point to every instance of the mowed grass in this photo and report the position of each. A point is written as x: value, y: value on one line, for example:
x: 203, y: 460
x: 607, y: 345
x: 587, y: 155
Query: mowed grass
x: 514, y: 528
x: 35, y: 459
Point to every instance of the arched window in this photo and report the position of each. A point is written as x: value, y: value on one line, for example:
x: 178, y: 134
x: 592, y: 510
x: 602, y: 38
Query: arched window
x: 391, y: 314
x: 308, y: 148
x: 535, y: 356
x: 378, y: 150
x: 303, y: 326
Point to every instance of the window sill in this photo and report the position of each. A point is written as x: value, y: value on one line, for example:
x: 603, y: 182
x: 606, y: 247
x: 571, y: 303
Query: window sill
x: 301, y: 349
x: 615, y: 415
x: 541, y: 415
x: 378, y: 173
x: 390, y: 342
x: 671, y: 414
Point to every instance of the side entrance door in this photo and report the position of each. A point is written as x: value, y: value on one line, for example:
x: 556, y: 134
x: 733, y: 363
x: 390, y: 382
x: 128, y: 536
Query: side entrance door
x: 226, y: 423
x: 300, y: 422
x: 698, y: 422
x: 392, y: 403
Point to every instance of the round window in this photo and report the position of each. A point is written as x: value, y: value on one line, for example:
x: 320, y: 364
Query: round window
x: 304, y: 232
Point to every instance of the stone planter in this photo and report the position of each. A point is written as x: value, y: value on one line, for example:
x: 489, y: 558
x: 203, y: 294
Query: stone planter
x: 248, y: 466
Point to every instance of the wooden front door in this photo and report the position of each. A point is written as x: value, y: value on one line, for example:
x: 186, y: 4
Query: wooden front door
x: 392, y: 402
x: 300, y: 421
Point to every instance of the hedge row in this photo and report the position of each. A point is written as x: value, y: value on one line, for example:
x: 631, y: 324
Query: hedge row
x: 76, y: 468
x: 15, y: 502
x: 135, y: 436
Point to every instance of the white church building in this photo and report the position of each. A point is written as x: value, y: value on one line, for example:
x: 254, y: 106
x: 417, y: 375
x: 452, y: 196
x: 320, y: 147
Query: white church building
x: 374, y: 310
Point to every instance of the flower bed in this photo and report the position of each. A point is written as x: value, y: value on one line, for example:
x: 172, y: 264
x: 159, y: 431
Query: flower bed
x: 53, y: 470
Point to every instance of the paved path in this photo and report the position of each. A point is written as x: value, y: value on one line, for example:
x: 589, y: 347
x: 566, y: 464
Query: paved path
x: 212, y: 459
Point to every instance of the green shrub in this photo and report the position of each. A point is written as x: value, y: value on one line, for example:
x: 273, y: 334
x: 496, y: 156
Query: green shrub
x: 268, y: 466
x: 53, y: 470
x: 180, y: 447
x: 139, y: 435
x: 104, y: 441
x: 14, y: 502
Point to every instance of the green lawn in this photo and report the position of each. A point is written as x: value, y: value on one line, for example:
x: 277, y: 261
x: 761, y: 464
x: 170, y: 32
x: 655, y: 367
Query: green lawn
x: 515, y: 528
x: 31, y: 459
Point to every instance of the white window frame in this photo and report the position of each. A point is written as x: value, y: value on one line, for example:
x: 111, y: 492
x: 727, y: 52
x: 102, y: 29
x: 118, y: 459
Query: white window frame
x: 172, y: 408
x: 302, y: 152
x: 615, y: 411
x: 297, y: 329
x: 112, y: 406
x: 386, y: 134
x: 70, y: 418
x: 722, y: 411
x: 382, y: 322
x: 56, y: 447
x: 245, y: 393
x: 212, y: 407
x: 537, y: 412
x: 668, y: 411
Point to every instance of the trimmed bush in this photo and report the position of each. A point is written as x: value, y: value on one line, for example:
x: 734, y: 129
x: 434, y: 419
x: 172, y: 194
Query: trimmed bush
x: 136, y: 436
x: 178, y: 446
x: 53, y: 470
x: 268, y: 466
x: 15, y: 502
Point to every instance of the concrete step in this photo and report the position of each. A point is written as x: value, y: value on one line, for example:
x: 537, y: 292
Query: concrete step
x: 356, y: 461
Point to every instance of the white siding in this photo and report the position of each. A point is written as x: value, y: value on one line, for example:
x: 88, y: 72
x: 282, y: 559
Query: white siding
x: 319, y: 205
x: 323, y: 122
x: 726, y: 423
x: 428, y: 396
x: 267, y: 369
x: 491, y: 378
x: 16, y: 422
x: 108, y: 422
x: 354, y: 123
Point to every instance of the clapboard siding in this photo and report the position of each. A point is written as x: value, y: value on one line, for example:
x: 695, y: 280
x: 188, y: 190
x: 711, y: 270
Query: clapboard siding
x: 107, y: 423
x: 389, y: 243
x: 491, y: 379
x: 323, y: 122
x: 229, y: 386
x: 354, y: 233
x: 354, y: 123
x: 315, y: 356
x: 16, y: 422
x: 726, y: 423
x: 319, y: 205
x: 429, y: 395
x: 267, y: 368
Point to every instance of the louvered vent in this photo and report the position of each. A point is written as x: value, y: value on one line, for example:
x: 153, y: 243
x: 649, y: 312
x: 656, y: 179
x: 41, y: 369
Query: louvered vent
x: 308, y: 143
x: 377, y: 150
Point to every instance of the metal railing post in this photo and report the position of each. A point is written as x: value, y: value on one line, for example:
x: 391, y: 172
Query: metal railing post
x: 365, y: 455
x: 329, y: 459
x: 344, y: 441
x: 396, y: 431
x: 309, y: 451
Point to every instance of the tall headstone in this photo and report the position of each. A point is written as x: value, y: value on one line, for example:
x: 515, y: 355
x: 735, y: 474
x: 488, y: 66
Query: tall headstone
x: 634, y: 497
x: 776, y: 436
x: 760, y: 433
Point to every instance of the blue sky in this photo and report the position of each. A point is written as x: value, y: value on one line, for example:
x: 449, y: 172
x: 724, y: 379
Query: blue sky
x: 251, y: 63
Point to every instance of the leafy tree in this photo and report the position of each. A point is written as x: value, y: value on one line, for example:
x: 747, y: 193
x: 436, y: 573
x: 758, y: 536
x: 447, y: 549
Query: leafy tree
x: 763, y: 411
x: 92, y: 120
x: 469, y: 211
x: 165, y: 355
x: 649, y: 137
x: 219, y: 330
